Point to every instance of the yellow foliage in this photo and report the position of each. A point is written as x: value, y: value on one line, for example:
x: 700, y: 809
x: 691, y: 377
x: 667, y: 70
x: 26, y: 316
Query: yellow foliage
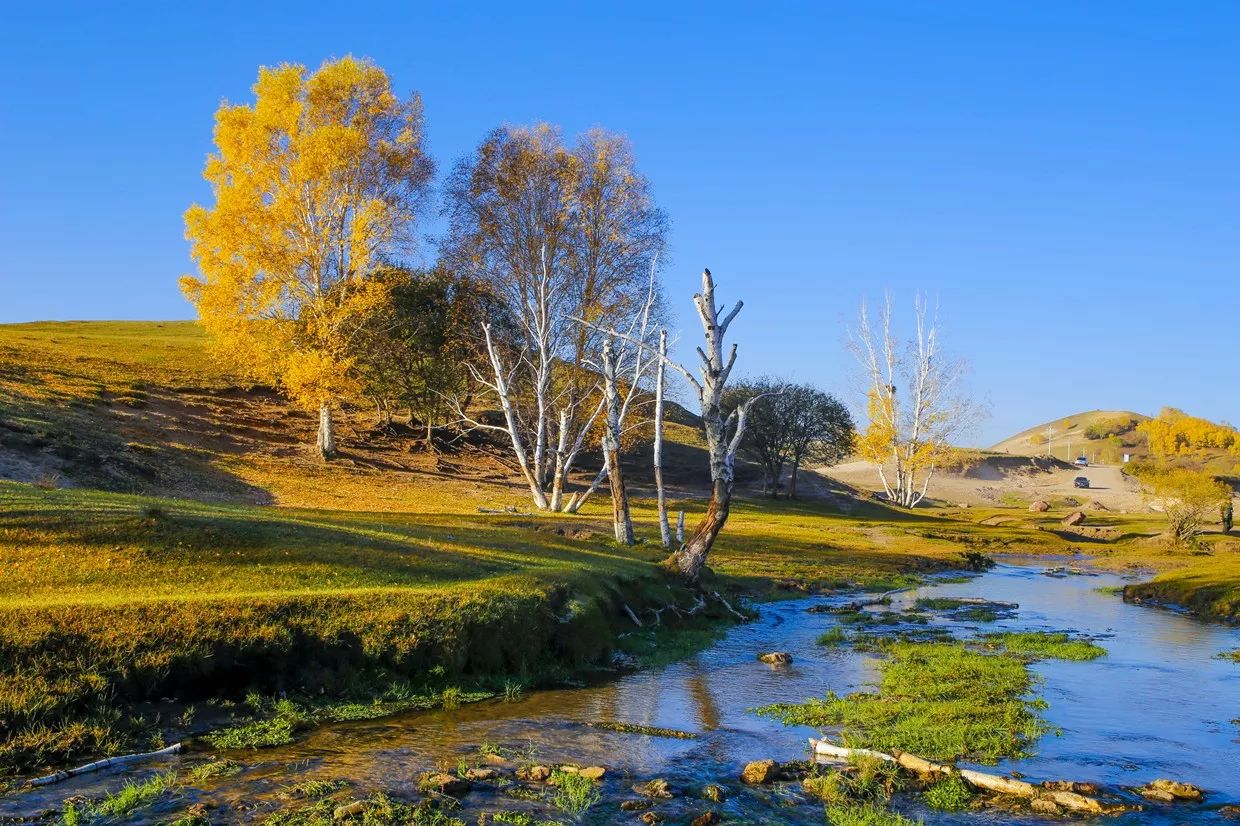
x: 884, y: 437
x: 314, y: 184
x: 1175, y: 433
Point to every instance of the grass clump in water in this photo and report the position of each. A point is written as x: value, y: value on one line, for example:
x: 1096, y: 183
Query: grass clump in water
x: 866, y: 780
x: 315, y: 789
x: 133, y: 796
x: 941, y: 701
x: 833, y: 636
x: 1044, y: 645
x: 212, y: 769
x: 649, y: 731
x: 574, y: 794
x: 951, y: 794
x: 866, y: 815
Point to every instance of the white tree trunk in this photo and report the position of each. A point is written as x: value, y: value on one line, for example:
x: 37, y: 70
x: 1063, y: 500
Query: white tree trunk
x: 665, y: 531
x: 622, y: 520
x: 326, y: 440
x: 715, y: 369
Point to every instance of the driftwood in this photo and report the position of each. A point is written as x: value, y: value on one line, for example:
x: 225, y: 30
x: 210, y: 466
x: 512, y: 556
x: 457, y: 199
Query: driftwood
x: 928, y: 769
x: 107, y: 762
x: 728, y: 605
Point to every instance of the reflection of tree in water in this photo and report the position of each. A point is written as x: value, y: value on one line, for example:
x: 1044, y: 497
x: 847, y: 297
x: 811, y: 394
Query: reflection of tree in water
x: 707, y: 711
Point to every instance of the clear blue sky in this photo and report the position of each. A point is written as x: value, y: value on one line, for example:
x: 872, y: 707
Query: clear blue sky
x: 1063, y: 176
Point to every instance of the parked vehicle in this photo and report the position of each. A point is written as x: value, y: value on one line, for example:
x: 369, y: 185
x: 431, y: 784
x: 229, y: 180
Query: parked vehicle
x: 1080, y: 482
x: 1082, y: 461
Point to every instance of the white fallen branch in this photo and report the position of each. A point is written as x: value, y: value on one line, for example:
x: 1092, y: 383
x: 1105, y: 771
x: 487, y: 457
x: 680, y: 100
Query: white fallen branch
x: 107, y: 762
x: 928, y: 769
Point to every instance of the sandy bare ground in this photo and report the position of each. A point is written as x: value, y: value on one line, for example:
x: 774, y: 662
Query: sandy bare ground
x: 991, y: 483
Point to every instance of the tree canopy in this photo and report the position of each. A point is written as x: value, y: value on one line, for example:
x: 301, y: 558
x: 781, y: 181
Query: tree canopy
x: 315, y: 184
x: 791, y: 424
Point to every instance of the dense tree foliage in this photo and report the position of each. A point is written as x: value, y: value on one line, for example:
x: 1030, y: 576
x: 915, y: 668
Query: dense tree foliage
x: 315, y: 185
x: 1189, y: 497
x: 789, y: 425
x: 415, y: 349
x: 1175, y: 433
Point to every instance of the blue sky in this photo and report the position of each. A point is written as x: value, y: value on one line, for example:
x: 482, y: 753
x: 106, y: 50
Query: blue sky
x: 1063, y: 177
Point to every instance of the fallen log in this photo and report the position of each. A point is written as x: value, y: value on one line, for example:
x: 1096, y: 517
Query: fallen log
x: 107, y: 762
x: 1011, y: 787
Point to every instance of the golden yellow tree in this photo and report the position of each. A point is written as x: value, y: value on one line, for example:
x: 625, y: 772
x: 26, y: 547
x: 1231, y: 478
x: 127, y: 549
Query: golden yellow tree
x: 915, y: 404
x: 316, y: 185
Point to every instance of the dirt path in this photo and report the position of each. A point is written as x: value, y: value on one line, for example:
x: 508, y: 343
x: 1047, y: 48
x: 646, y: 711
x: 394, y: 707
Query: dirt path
x: 986, y: 484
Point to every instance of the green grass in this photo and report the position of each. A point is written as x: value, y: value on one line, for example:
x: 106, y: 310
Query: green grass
x: 866, y: 815
x: 104, y: 604
x: 833, y: 636
x: 1044, y: 645
x: 574, y: 794
x: 1209, y: 588
x: 136, y: 795
x: 951, y: 794
x: 940, y: 701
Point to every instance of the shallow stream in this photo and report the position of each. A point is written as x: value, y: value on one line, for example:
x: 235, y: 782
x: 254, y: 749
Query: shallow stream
x: 1160, y: 704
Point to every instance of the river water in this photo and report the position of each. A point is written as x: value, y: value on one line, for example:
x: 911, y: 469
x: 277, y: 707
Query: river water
x: 1160, y: 704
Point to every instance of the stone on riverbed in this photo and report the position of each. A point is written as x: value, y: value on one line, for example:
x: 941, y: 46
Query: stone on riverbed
x: 444, y: 784
x: 760, y: 772
x: 1074, y: 518
x: 706, y: 819
x: 534, y: 774
x: 714, y: 793
x: 776, y: 658
x: 1168, y: 791
x: 657, y: 788
x: 592, y: 772
x: 481, y: 774
x: 1039, y: 507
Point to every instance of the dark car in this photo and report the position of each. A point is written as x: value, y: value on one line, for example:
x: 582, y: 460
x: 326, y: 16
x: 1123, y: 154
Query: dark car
x: 1080, y: 482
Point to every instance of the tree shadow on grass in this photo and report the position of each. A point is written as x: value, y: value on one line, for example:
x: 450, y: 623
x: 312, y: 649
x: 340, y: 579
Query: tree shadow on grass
x: 171, y: 546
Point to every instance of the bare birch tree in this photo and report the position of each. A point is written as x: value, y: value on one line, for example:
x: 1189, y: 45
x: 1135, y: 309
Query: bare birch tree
x: 724, y: 430
x: 557, y: 234
x: 665, y: 530
x: 622, y: 519
x: 914, y: 400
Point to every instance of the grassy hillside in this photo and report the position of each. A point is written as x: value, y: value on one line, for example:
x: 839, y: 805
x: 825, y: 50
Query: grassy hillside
x: 1068, y: 437
x: 167, y: 532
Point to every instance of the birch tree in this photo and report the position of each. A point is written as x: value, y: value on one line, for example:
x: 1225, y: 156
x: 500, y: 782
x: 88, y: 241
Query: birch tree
x: 316, y: 184
x: 665, y: 530
x: 724, y: 428
x: 914, y: 402
x: 558, y: 235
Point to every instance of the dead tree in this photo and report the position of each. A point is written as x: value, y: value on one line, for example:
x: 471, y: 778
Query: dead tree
x: 723, y: 434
